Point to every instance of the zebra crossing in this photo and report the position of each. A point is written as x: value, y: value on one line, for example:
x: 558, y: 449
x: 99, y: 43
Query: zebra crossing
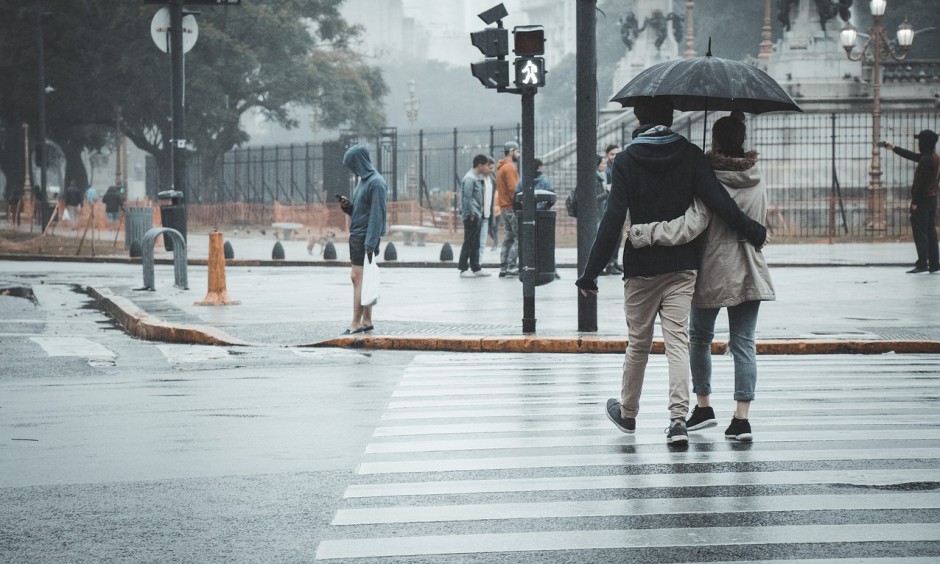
x: 510, y: 457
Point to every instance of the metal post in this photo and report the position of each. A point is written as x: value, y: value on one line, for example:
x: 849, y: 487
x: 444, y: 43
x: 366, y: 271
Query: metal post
x: 586, y: 115
x: 876, y: 201
x: 527, y: 272
x: 178, y: 141
x: 42, y: 114
x: 421, y: 185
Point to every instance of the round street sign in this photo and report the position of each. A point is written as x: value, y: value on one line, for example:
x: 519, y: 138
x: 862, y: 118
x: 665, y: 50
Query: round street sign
x: 160, y: 30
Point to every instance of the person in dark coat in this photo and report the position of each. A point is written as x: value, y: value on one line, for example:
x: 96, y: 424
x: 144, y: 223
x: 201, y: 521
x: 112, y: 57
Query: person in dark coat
x: 655, y: 178
x: 924, y: 200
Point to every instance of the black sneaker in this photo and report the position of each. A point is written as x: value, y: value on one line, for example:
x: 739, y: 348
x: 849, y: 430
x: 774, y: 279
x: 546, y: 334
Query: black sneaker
x: 701, y: 418
x: 917, y: 270
x: 739, y: 430
x: 625, y: 424
x: 676, y: 433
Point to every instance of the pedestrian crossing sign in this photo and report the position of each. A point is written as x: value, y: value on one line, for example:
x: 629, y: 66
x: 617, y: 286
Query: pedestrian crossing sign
x: 530, y: 72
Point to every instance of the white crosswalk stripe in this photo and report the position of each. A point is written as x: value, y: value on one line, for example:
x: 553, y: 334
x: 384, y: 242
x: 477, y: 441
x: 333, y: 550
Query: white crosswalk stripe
x: 512, y: 453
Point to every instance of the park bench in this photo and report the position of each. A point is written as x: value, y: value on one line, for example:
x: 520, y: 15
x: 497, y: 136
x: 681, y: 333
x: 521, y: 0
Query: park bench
x: 287, y: 229
x: 411, y: 232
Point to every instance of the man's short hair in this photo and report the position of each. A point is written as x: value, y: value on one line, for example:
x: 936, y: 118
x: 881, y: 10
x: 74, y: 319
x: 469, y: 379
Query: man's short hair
x: 480, y: 160
x: 610, y: 148
x: 538, y: 163
x: 654, y: 111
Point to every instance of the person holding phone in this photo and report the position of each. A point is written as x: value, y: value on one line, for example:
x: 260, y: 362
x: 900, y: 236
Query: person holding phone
x: 367, y: 213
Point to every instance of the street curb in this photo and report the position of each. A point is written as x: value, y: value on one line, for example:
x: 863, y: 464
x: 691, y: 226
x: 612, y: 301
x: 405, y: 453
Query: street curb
x: 346, y: 263
x: 600, y: 345
x: 142, y: 325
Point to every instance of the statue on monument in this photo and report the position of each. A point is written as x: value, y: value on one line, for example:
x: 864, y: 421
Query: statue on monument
x: 629, y: 29
x: 657, y: 23
x: 827, y: 10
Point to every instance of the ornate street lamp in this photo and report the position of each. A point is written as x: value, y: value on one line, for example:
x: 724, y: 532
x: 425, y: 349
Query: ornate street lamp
x: 689, y: 31
x: 766, y: 46
x: 876, y: 47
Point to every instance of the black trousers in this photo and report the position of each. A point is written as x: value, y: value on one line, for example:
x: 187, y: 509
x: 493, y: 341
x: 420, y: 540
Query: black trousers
x: 470, y: 250
x: 924, y: 229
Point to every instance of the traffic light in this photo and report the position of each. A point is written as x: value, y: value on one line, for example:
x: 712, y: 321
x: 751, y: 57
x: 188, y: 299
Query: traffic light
x: 528, y: 45
x: 493, y: 42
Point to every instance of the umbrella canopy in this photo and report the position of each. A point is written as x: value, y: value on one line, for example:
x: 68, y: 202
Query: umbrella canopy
x: 709, y: 83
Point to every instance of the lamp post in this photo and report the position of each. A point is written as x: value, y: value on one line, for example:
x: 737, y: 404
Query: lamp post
x: 874, y: 49
x: 412, y: 105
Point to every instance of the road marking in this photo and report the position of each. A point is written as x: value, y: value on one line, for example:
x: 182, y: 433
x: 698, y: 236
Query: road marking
x: 644, y: 481
x: 94, y: 353
x: 620, y: 538
x: 633, y: 507
x: 634, y: 459
x: 696, y: 437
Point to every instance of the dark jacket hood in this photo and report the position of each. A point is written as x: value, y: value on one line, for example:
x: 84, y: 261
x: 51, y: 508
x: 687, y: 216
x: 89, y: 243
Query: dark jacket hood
x: 357, y: 160
x: 656, y: 148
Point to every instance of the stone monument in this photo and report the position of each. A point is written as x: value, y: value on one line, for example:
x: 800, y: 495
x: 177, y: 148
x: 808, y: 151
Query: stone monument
x: 808, y: 61
x: 651, y: 34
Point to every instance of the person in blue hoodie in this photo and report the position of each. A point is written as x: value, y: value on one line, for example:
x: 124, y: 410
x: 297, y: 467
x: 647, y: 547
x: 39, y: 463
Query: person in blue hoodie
x: 366, y: 225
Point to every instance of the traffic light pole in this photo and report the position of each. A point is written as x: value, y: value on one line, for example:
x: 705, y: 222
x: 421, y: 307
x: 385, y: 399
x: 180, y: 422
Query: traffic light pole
x: 178, y: 111
x: 586, y: 113
x: 527, y: 272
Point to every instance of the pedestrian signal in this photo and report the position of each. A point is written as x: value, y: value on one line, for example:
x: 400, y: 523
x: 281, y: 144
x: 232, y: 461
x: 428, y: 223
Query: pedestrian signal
x: 528, y: 40
x: 530, y: 72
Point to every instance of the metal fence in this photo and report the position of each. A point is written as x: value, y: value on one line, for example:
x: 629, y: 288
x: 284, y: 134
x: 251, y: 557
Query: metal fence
x: 816, y: 167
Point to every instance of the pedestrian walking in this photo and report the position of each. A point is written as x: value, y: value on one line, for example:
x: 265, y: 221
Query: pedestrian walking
x: 924, y: 200
x: 610, y: 153
x: 113, y: 203
x: 472, y: 189
x: 655, y: 178
x: 732, y: 274
x: 367, y: 213
x: 489, y: 206
x: 507, y: 177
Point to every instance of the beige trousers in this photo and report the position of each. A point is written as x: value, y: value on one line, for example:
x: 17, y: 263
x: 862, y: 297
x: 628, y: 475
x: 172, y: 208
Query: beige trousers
x: 670, y: 296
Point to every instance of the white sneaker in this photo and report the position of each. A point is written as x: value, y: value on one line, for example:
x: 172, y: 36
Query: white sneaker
x: 466, y: 274
x: 481, y: 274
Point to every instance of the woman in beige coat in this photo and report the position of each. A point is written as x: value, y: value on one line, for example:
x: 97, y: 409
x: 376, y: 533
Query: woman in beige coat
x: 732, y: 274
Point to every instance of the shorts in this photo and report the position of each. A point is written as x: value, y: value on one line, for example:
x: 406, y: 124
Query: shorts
x: 357, y: 250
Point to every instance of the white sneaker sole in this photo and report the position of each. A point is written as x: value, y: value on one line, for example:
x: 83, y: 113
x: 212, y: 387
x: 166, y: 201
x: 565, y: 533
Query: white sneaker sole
x: 743, y: 437
x: 677, y: 440
x: 622, y: 430
x: 703, y: 425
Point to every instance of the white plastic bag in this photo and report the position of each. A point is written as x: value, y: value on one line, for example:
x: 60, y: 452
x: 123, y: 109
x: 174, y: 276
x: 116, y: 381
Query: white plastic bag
x: 370, y: 283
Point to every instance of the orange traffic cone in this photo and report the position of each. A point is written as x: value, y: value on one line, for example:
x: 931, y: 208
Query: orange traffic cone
x: 217, y: 294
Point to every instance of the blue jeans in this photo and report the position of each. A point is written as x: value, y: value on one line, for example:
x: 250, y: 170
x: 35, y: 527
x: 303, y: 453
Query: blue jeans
x: 742, y: 321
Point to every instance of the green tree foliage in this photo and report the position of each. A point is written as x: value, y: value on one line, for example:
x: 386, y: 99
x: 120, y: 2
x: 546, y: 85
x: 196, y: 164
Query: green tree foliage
x: 271, y: 56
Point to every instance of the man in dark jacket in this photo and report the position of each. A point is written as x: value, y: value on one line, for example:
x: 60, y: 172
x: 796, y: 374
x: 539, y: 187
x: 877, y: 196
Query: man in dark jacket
x: 655, y: 178
x: 924, y: 200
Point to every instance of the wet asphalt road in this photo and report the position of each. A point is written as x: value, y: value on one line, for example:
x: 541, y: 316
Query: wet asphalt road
x: 114, y: 449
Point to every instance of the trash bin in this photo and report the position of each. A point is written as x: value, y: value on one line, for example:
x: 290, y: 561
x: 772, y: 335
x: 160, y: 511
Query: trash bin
x: 173, y: 215
x: 137, y: 221
x: 46, y: 209
x: 544, y: 235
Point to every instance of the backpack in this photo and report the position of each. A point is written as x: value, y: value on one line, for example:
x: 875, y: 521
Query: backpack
x: 571, y: 204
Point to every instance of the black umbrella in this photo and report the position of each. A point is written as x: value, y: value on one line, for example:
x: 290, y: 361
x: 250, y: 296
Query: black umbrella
x: 709, y: 83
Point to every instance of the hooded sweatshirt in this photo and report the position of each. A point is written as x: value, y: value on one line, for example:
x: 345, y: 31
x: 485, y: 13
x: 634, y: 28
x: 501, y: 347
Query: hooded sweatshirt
x: 732, y: 270
x: 655, y: 179
x: 507, y: 176
x: 368, y: 199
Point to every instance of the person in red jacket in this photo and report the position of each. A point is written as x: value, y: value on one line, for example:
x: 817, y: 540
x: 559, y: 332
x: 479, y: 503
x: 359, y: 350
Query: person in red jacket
x: 924, y: 200
x: 507, y: 176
